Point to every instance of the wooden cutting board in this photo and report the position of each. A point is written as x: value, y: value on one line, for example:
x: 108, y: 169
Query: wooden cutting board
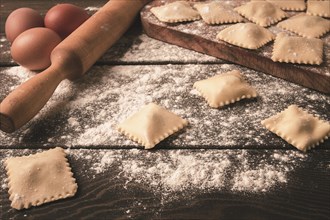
x: 200, y: 37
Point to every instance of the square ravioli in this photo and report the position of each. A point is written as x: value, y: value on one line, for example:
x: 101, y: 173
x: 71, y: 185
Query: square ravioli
x: 151, y: 125
x: 290, y: 5
x: 224, y: 89
x: 39, y: 178
x: 179, y: 11
x: 319, y: 8
x: 300, y: 50
x: 262, y: 13
x: 306, y: 25
x: 298, y: 127
x: 217, y: 13
x: 246, y: 35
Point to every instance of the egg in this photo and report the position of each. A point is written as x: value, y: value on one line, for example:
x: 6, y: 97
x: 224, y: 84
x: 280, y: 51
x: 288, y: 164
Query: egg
x: 65, y: 18
x: 33, y: 47
x: 21, y: 20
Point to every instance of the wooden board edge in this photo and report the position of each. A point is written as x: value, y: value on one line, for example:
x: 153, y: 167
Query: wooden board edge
x: 231, y: 53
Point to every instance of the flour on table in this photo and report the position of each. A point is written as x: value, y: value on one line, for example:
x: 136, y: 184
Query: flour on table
x: 86, y: 112
x: 144, y: 46
x: 92, y: 8
x: 186, y: 173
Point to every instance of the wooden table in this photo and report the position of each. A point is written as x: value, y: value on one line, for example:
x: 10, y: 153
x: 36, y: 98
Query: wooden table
x: 112, y: 172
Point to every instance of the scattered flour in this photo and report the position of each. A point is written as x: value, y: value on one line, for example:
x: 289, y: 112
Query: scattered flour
x: 86, y: 112
x: 92, y: 9
x: 195, y: 171
x: 144, y: 46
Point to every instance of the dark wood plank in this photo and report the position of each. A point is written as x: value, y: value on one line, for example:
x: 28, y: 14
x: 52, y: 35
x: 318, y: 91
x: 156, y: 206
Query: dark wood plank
x: 118, y: 193
x: 86, y: 113
x: 201, y: 37
x: 111, y: 195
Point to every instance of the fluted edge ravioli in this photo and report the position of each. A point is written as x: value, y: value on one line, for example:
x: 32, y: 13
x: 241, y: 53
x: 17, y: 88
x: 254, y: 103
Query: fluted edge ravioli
x: 151, y: 125
x: 246, y: 35
x: 224, y: 89
x: 261, y: 12
x: 217, y: 13
x: 319, y: 8
x: 306, y: 25
x: 299, y: 50
x: 179, y: 11
x: 290, y: 5
x: 299, y: 128
x: 39, y: 178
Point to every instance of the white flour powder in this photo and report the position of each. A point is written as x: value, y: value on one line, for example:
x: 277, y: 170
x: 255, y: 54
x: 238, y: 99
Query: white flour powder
x: 189, y: 171
x: 196, y: 171
x: 87, y: 112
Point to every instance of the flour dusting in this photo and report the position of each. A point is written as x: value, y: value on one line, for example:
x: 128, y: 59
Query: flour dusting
x: 196, y: 171
x: 86, y: 112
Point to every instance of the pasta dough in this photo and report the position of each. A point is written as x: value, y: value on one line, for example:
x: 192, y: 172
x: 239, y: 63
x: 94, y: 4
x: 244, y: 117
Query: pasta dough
x: 290, y: 5
x: 318, y: 8
x: 151, y: 125
x: 217, y: 13
x: 298, y: 127
x: 224, y: 89
x: 306, y: 25
x: 39, y: 178
x: 261, y: 12
x: 179, y: 11
x: 297, y: 50
x: 246, y: 35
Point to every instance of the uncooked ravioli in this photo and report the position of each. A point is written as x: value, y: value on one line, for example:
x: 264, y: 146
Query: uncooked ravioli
x: 261, y: 12
x: 217, y: 13
x: 246, y: 35
x: 225, y: 88
x: 179, y: 11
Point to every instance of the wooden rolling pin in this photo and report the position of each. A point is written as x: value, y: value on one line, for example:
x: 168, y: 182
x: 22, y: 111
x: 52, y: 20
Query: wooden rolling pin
x: 70, y: 60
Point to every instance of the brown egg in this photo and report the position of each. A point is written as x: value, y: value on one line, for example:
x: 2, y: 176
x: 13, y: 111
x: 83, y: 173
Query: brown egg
x: 21, y: 20
x: 32, y: 48
x: 65, y: 18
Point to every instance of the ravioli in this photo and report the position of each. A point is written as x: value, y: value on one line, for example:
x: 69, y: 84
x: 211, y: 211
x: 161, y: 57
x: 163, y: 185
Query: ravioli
x: 299, y: 128
x: 151, y: 125
x: 262, y: 13
x: 318, y: 8
x: 179, y: 11
x: 300, y: 50
x: 306, y: 25
x: 39, y: 178
x: 224, y: 89
x: 246, y: 35
x: 217, y: 13
x: 290, y: 5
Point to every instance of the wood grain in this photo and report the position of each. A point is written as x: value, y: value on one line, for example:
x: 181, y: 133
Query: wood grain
x: 200, y: 37
x: 105, y: 196
x: 305, y: 196
x: 111, y: 89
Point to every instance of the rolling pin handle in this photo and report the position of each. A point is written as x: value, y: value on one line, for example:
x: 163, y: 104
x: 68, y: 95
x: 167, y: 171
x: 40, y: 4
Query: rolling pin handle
x: 6, y: 123
x: 22, y: 104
